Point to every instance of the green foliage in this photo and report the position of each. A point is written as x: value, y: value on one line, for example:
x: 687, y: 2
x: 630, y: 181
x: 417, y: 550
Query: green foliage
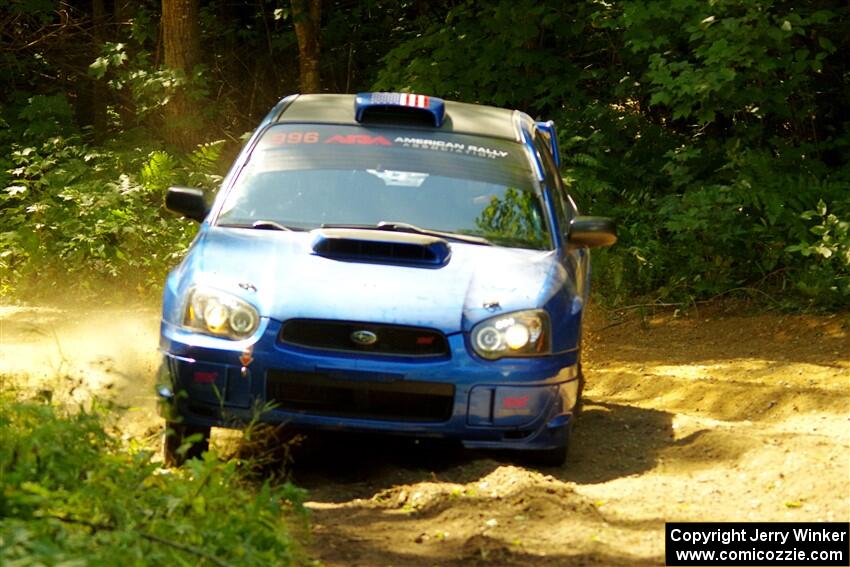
x: 519, y: 66
x: 828, y: 273
x: 73, y: 215
x: 46, y: 116
x: 114, y: 55
x: 706, y: 129
x: 70, y: 494
x: 149, y: 87
x: 715, y: 58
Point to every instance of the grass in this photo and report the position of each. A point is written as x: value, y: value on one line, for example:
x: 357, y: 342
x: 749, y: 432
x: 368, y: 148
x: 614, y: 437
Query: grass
x: 71, y: 494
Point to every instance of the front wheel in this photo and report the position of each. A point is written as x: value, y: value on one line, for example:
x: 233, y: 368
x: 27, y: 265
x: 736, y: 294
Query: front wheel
x: 176, y: 435
x: 556, y: 457
x: 579, y: 407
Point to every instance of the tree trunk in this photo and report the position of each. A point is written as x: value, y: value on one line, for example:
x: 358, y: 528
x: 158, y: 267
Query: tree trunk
x: 98, y: 95
x: 306, y: 16
x: 181, y: 46
x: 122, y: 13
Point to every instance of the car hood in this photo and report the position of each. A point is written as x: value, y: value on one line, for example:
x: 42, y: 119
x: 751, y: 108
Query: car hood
x: 284, y: 278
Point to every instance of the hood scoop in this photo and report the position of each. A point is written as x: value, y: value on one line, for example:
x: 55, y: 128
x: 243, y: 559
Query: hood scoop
x: 381, y: 247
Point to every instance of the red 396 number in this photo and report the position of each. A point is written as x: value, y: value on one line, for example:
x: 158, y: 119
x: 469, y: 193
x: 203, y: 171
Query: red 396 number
x: 296, y: 138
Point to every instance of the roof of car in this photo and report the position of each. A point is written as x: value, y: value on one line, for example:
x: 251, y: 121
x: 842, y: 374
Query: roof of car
x: 461, y: 118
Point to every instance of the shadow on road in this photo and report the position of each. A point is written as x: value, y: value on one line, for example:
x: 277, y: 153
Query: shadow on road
x: 609, y: 441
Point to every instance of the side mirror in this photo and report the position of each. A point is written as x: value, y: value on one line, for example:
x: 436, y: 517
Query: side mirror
x: 592, y: 232
x: 187, y: 202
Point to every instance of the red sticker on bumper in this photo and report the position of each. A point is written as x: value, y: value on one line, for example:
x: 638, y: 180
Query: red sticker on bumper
x: 247, y: 356
x: 205, y: 377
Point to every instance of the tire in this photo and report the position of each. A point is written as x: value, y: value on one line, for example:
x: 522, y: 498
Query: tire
x: 556, y: 457
x: 579, y: 407
x: 175, y: 436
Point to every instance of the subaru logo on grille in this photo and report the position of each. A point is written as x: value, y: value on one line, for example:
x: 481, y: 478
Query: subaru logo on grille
x: 364, y: 337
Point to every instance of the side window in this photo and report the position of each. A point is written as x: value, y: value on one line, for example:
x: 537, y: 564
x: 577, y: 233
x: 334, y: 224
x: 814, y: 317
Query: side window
x: 564, y: 207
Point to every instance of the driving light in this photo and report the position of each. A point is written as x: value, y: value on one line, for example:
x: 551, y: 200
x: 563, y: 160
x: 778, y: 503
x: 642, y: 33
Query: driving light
x: 220, y: 314
x: 523, y: 333
x: 517, y: 336
x: 215, y: 314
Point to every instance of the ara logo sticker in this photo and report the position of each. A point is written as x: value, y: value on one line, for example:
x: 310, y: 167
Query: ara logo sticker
x: 358, y: 139
x: 247, y: 356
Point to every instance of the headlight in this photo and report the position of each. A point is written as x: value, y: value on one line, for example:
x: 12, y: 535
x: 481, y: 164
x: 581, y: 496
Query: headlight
x: 220, y: 314
x: 524, y: 333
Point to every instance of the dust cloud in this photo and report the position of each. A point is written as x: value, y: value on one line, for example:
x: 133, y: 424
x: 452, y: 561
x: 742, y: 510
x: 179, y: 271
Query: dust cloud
x: 72, y: 353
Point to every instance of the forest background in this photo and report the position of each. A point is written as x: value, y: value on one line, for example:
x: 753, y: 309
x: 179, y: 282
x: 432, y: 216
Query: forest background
x: 714, y: 132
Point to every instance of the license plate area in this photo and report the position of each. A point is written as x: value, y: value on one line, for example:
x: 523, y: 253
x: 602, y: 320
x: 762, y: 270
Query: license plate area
x: 316, y: 393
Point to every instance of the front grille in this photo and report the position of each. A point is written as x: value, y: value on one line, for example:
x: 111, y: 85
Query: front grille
x: 384, y: 399
x: 389, y: 339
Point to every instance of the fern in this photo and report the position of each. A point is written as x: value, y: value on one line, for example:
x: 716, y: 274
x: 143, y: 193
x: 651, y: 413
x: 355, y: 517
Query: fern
x: 159, y: 172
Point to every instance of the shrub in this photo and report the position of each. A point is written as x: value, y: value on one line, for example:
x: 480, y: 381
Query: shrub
x: 74, y: 215
x: 70, y: 494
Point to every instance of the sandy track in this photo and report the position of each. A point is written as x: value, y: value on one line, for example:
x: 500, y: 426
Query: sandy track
x: 714, y: 416
x: 75, y: 352
x: 711, y: 417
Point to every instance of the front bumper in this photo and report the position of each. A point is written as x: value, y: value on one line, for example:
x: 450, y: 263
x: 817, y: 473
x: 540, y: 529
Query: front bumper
x: 520, y: 403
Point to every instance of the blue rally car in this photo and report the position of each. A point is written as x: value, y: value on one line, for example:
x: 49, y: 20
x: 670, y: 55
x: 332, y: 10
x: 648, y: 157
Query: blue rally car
x: 384, y: 262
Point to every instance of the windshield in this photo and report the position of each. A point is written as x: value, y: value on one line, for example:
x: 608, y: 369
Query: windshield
x: 305, y: 176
